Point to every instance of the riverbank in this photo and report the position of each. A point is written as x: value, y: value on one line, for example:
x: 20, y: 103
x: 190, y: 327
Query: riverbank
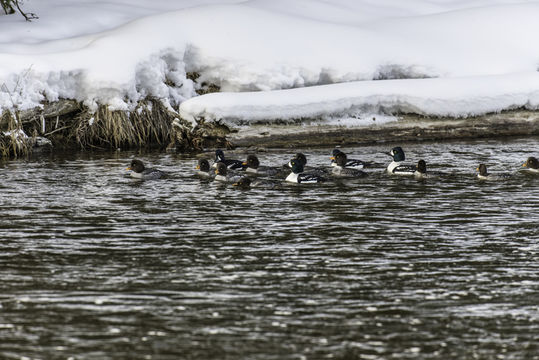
x: 408, y: 127
x: 69, y: 125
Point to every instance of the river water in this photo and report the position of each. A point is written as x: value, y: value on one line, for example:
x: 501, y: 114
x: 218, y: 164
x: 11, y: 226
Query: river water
x: 97, y: 265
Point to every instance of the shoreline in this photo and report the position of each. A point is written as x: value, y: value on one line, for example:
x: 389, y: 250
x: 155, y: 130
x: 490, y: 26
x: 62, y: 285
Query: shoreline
x: 407, y: 128
x: 67, y: 125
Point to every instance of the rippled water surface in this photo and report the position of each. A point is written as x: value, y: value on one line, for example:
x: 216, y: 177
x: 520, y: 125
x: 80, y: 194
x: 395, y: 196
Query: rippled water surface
x: 96, y: 265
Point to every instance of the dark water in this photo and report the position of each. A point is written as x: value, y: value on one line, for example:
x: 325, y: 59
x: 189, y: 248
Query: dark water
x: 96, y: 265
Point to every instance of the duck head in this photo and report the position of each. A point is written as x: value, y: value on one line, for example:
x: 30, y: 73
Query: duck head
x: 220, y: 169
x: 482, y: 168
x: 203, y: 165
x: 243, y: 183
x: 219, y: 155
x: 422, y: 166
x: 397, y: 153
x: 340, y: 159
x: 136, y: 166
x: 251, y: 162
x: 531, y: 163
x: 296, y: 165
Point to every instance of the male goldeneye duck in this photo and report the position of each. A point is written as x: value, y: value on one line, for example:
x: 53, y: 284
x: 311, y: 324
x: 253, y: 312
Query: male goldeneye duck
x: 252, y: 165
x: 231, y: 164
x: 484, y: 174
x: 396, y: 167
x: 138, y: 171
x: 302, y: 160
x: 340, y: 168
x: 221, y: 174
x: 203, y: 168
x: 350, y: 163
x: 532, y: 164
x: 298, y: 176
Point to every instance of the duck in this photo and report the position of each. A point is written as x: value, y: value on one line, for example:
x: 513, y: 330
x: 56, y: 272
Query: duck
x: 246, y: 183
x: 302, y: 159
x: 340, y: 169
x: 230, y: 163
x: 421, y: 172
x: 396, y: 167
x: 350, y: 163
x: 222, y: 175
x: 252, y: 165
x: 532, y: 165
x: 139, y: 171
x: 484, y: 174
x: 203, y: 168
x: 299, y: 177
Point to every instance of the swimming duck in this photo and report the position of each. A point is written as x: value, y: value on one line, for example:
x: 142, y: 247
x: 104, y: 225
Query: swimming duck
x: 421, y: 172
x: 302, y: 159
x: 396, y: 167
x: 298, y: 176
x: 484, y: 174
x: 230, y: 163
x: 350, y: 163
x: 252, y: 165
x: 203, y: 168
x: 246, y: 183
x: 222, y: 175
x: 532, y: 164
x: 340, y: 168
x: 138, y: 171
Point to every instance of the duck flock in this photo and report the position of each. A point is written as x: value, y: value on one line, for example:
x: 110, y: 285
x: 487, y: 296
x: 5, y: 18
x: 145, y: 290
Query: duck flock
x: 250, y: 173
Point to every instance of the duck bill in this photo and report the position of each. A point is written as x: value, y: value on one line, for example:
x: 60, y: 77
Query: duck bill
x: 128, y: 168
x: 388, y: 153
x: 332, y: 158
x: 244, y: 163
x: 235, y: 184
x: 198, y: 167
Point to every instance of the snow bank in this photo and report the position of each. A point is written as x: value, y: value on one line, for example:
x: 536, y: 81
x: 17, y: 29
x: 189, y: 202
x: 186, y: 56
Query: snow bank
x: 482, y: 54
x: 452, y: 97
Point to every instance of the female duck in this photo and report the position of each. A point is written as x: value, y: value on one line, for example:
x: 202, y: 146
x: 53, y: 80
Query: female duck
x: 421, y: 172
x: 221, y: 174
x: 138, y: 171
x: 252, y: 165
x: 299, y: 177
x: 203, y: 169
x: 340, y: 168
x: 246, y: 183
x: 532, y: 165
x: 485, y: 175
x: 396, y: 167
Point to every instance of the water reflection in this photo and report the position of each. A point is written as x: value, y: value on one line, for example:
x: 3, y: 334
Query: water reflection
x: 97, y: 265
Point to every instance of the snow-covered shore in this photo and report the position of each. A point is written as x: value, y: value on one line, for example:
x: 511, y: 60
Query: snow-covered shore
x: 275, y: 60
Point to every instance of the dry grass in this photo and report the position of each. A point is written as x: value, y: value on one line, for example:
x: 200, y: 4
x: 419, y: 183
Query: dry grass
x: 148, y: 125
x: 15, y: 143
